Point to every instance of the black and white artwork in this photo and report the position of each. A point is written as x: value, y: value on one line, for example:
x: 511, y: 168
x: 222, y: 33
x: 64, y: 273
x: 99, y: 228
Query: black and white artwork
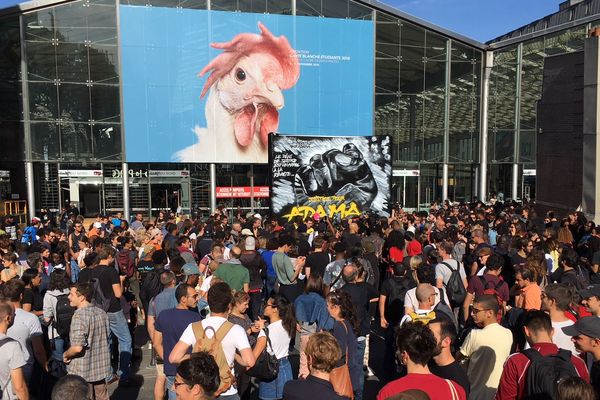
x: 338, y: 177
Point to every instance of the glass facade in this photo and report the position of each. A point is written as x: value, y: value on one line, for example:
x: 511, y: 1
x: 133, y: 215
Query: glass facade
x: 515, y: 89
x: 60, y: 86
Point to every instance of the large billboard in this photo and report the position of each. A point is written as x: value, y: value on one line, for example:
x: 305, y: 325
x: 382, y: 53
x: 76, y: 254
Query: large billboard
x: 209, y: 86
x: 339, y: 177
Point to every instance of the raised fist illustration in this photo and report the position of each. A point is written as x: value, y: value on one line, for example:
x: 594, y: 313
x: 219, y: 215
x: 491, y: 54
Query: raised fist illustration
x: 336, y: 173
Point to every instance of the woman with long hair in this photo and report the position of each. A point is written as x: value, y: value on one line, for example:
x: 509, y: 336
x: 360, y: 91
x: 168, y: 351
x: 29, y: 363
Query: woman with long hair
x: 282, y: 325
x: 33, y: 301
x: 312, y: 316
x: 345, y: 329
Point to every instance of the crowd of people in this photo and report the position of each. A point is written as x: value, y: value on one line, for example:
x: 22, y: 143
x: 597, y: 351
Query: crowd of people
x: 472, y: 301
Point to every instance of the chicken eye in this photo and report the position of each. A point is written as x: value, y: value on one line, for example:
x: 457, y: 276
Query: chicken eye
x: 240, y: 75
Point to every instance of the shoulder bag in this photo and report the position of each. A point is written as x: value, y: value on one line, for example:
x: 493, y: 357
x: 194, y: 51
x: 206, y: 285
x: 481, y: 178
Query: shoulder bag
x: 340, y: 376
x: 266, y: 367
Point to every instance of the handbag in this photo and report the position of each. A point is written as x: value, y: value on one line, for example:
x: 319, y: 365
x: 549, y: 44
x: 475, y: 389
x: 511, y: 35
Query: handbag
x: 266, y: 367
x: 340, y: 377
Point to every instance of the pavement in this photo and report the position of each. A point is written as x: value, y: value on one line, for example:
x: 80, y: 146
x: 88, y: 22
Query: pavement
x: 141, y: 366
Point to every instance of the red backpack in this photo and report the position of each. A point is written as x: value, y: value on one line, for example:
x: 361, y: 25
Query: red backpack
x: 494, y: 291
x: 126, y: 262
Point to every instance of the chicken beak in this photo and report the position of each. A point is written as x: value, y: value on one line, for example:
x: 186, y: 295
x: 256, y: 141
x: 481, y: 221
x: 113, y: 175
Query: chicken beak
x: 272, y: 94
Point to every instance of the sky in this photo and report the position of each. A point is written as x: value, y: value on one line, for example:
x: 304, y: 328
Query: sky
x: 481, y: 20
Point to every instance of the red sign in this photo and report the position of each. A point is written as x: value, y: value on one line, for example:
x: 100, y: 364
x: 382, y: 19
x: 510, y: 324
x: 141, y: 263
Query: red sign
x: 241, y: 192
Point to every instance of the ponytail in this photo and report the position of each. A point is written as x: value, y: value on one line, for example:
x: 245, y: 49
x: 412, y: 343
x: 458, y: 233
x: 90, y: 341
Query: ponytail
x: 286, y: 313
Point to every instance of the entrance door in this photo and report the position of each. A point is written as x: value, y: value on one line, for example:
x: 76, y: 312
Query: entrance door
x: 405, y: 184
x: 89, y: 197
x: 165, y: 197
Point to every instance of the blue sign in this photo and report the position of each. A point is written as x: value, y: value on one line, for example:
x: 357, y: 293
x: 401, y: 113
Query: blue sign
x: 209, y: 86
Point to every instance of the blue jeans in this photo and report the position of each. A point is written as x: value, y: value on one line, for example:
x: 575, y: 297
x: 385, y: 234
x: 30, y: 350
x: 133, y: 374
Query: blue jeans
x: 360, y: 354
x: 274, y: 389
x: 170, y: 393
x: 118, y: 326
x: 58, y: 348
x: 74, y: 271
x: 270, y: 285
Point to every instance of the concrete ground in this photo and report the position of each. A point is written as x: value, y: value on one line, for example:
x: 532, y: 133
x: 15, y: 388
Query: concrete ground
x: 141, y: 366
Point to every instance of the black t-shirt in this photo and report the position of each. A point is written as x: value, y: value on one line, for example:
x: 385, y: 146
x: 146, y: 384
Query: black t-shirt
x: 108, y: 276
x: 85, y: 275
x: 256, y: 267
x: 33, y: 297
x: 453, y: 372
x: 517, y: 260
x: 143, y: 267
x: 361, y: 294
x: 203, y: 247
x: 317, y: 261
x: 351, y: 240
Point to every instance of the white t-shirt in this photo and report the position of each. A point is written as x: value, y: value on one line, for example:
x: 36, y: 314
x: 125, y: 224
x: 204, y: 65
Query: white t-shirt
x: 487, y: 349
x: 410, y: 298
x: 559, y: 338
x: 26, y: 326
x: 11, y: 357
x: 236, y: 339
x: 280, y: 340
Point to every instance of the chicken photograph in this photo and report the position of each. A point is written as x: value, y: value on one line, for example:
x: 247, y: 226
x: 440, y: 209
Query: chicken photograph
x: 245, y: 87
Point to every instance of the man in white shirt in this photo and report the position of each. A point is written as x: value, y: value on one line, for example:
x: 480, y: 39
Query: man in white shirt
x: 219, y: 302
x: 556, y: 299
x: 424, y: 312
x: 12, y: 359
x: 486, y: 349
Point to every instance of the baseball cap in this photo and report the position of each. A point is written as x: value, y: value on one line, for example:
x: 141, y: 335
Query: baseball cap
x: 588, y: 326
x: 250, y: 243
x: 35, y: 219
x: 190, y: 269
x: 593, y: 290
x: 247, y: 232
x: 154, y: 233
x: 257, y: 215
x: 97, y: 225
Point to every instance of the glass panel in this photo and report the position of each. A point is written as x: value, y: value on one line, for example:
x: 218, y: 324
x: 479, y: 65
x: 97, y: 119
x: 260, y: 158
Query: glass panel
x: 433, y: 145
x: 43, y: 103
x: 463, y: 53
x: 462, y: 146
x: 435, y: 77
x: 107, y: 141
x: 463, y: 113
x: 256, y: 6
x: 412, y: 76
x: 435, y: 46
x: 460, y: 182
x: 386, y: 112
x: 527, y: 146
x: 411, y: 112
x: 103, y: 64
x: 308, y: 7
x: 504, y: 146
x: 388, y: 38
x: 358, y: 11
x: 196, y: 4
x: 39, y: 25
x: 76, y: 141
x: 72, y: 62
x: 502, y: 112
x: 410, y: 145
x: 74, y: 102
x: 500, y: 177
x: 387, y: 75
x: 413, y: 42
x: 102, y: 26
x: 431, y: 184
x: 45, y: 142
x: 71, y: 22
x: 105, y: 103
x: 41, y: 61
x: 434, y: 111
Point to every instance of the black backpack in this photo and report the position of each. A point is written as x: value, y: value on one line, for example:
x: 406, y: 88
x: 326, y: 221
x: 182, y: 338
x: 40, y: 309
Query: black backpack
x: 99, y: 299
x: 443, y: 310
x: 455, y: 288
x: 545, y: 373
x: 399, y: 288
x: 151, y: 285
x: 64, y: 315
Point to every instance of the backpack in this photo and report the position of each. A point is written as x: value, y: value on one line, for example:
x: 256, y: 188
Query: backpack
x: 456, y: 290
x: 443, y: 310
x: 98, y: 297
x: 125, y: 262
x: 422, y: 318
x: 213, y: 346
x: 582, y: 278
x: 545, y: 373
x: 494, y: 292
x: 151, y: 285
x: 64, y: 315
x: 28, y: 236
x: 399, y: 288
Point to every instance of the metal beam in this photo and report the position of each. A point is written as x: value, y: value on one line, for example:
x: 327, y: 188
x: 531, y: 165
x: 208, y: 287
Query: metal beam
x: 488, y: 63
